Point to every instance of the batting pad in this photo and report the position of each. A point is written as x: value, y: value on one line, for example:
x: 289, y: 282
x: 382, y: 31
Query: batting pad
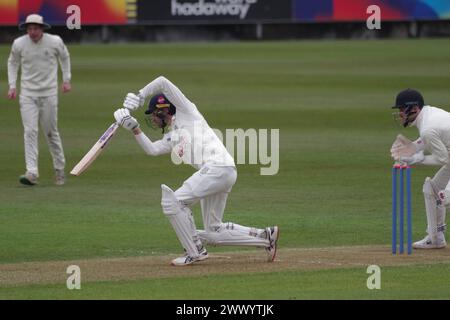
x: 179, y: 220
x: 232, y: 237
x: 430, y: 208
x: 441, y: 226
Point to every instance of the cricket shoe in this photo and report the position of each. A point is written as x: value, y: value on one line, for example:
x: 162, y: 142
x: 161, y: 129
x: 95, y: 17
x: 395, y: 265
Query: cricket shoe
x: 272, y: 234
x: 29, y: 179
x: 60, y: 177
x: 427, y: 242
x: 187, y: 259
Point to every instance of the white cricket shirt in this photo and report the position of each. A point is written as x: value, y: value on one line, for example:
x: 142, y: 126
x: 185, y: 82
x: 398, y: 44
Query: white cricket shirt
x: 434, y: 129
x: 190, y: 138
x: 39, y: 65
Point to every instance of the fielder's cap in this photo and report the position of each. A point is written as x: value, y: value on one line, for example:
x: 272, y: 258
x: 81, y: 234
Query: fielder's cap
x: 158, y: 102
x: 34, y: 19
x: 409, y: 98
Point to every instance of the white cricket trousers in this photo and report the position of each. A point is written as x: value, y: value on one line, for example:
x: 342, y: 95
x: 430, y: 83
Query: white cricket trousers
x: 43, y: 111
x: 210, y: 185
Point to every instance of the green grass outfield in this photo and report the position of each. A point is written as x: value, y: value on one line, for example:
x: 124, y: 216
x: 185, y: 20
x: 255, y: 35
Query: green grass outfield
x: 331, y: 101
x: 324, y: 284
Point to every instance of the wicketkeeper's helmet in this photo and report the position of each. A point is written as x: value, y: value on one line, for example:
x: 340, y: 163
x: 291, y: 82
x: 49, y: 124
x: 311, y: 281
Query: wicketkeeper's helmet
x: 407, y: 100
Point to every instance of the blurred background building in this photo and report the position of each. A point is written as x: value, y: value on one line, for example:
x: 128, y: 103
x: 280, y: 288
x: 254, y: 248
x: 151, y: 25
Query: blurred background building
x: 221, y: 20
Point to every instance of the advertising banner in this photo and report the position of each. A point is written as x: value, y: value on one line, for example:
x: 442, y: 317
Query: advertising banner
x: 356, y: 10
x: 214, y: 10
x: 118, y: 12
x: 55, y: 11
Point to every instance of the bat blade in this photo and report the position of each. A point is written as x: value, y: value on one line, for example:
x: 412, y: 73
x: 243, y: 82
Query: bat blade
x: 95, y: 151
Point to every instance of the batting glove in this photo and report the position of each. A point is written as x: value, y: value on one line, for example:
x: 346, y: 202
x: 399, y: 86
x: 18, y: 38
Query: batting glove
x: 123, y: 118
x: 133, y: 101
x: 415, y: 158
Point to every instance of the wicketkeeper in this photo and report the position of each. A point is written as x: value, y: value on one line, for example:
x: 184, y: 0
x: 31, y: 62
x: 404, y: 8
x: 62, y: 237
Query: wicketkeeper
x: 190, y: 139
x: 431, y: 148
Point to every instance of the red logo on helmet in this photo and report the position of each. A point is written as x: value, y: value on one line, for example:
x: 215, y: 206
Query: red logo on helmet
x: 161, y: 100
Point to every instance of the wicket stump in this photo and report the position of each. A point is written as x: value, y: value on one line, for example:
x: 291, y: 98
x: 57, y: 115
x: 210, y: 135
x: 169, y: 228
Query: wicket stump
x: 398, y: 182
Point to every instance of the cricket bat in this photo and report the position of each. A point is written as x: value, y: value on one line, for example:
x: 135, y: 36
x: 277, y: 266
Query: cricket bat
x: 95, y: 151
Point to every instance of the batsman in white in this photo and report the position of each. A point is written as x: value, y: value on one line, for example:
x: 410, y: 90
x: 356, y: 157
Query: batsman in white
x: 431, y: 148
x: 190, y: 138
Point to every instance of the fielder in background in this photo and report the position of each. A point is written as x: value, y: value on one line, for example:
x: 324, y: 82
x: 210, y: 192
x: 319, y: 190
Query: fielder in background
x: 434, y: 130
x: 190, y: 138
x: 37, y: 54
